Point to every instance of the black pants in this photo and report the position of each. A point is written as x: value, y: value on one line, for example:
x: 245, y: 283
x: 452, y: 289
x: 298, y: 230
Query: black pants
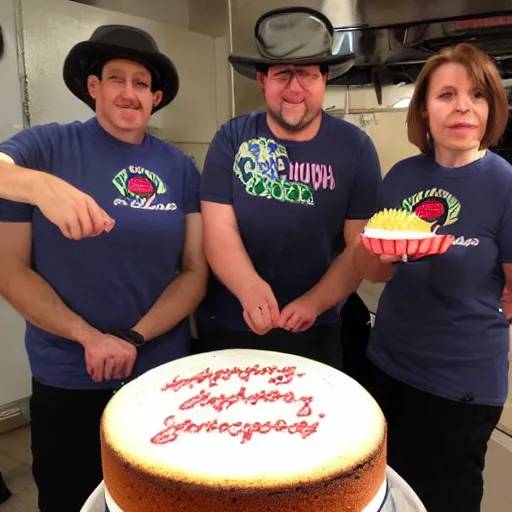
x: 355, y: 335
x: 437, y: 445
x: 65, y: 426
x: 5, y: 493
x: 321, y: 343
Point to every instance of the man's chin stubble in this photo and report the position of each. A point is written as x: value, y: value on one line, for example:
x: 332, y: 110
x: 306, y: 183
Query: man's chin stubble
x: 297, y: 127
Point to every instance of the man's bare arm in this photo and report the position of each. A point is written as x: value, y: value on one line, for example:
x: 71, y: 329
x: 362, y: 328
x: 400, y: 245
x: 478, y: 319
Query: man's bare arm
x: 28, y: 292
x: 17, y: 183
x: 185, y: 292
x: 106, y: 357
x: 230, y: 262
x: 75, y: 213
x: 371, y: 267
x: 225, y: 250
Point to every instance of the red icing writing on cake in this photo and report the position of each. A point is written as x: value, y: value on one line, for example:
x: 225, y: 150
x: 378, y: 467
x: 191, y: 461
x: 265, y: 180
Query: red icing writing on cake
x: 277, y: 375
x: 222, y: 402
x: 238, y: 429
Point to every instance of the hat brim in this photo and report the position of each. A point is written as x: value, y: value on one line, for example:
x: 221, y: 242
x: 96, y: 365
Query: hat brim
x: 77, y: 68
x: 248, y: 65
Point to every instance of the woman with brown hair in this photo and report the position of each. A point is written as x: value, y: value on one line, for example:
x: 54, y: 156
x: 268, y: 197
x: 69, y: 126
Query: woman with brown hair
x: 438, y: 353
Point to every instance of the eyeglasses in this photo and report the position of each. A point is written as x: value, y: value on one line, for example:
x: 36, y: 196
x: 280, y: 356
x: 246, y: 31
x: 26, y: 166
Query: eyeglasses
x: 284, y: 77
x: 294, y: 34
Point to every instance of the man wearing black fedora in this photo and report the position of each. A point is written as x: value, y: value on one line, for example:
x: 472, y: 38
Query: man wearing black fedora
x: 284, y: 196
x: 107, y: 265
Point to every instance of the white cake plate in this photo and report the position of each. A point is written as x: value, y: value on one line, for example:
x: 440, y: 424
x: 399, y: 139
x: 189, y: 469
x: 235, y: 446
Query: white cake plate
x: 396, y: 496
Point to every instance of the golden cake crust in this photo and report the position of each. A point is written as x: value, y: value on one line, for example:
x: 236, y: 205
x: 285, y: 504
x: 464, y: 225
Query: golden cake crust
x: 138, y: 489
x: 243, y: 431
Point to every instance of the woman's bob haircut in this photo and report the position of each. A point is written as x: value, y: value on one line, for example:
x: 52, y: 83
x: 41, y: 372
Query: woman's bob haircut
x: 483, y: 73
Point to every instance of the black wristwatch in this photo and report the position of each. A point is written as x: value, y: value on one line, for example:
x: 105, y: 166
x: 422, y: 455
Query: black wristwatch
x: 133, y: 337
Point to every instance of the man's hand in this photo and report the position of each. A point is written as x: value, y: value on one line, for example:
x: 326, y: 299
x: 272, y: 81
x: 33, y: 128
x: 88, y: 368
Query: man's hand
x: 261, y: 311
x: 108, y: 357
x: 75, y: 213
x: 299, y: 315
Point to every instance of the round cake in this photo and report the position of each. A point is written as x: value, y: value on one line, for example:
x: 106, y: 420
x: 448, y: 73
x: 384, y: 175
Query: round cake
x: 243, y: 431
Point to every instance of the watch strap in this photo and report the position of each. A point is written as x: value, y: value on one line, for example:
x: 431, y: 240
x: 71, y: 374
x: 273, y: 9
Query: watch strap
x: 129, y: 335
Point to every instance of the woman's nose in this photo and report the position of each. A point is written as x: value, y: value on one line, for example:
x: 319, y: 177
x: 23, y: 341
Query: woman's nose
x: 462, y: 103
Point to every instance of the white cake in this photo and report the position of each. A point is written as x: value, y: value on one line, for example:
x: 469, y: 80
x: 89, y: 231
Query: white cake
x: 244, y: 430
x: 392, y: 224
x: 385, y: 234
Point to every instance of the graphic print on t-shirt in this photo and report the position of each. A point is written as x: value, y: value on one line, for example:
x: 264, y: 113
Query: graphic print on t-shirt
x: 140, y: 189
x: 434, y: 205
x: 440, y: 208
x: 265, y: 170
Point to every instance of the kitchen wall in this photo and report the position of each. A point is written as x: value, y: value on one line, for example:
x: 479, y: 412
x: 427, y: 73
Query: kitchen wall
x: 170, y: 12
x: 10, y: 87
x: 383, y: 123
x: 14, y: 371
x: 191, y: 117
x: 211, y: 17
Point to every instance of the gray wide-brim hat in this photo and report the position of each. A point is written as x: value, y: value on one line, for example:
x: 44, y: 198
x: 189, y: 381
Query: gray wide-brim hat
x: 119, y: 42
x: 298, y: 36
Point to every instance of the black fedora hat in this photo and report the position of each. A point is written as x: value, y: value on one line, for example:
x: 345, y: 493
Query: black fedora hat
x: 296, y: 35
x: 119, y: 42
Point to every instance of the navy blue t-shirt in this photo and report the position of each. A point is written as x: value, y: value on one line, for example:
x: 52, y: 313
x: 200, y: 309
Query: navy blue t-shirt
x: 112, y: 280
x: 291, y: 200
x: 439, y: 325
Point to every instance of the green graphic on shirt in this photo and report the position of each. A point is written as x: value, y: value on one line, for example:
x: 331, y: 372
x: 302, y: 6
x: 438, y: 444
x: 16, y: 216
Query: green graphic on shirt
x: 262, y: 166
x: 435, y: 205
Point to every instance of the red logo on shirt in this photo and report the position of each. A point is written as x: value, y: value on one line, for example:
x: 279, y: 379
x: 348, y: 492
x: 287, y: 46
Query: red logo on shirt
x: 141, y: 189
x: 435, y: 205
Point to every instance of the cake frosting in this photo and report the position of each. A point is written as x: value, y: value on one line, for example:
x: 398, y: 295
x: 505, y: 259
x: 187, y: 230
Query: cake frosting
x: 386, y: 234
x: 392, y: 224
x: 244, y: 430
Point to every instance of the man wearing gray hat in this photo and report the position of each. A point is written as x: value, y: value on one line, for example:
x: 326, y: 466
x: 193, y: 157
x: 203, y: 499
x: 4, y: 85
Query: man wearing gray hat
x: 284, y: 196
